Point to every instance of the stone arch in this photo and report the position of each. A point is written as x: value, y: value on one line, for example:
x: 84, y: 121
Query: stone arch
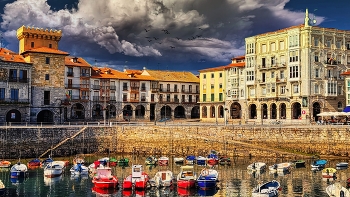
x: 316, y: 109
x: 235, y: 111
x: 165, y: 111
x: 340, y: 106
x: 179, y: 112
x: 212, y: 111
x: 252, y: 111
x: 264, y: 111
x: 273, y: 108
x: 283, y: 111
x: 45, y: 116
x: 204, y: 112
x: 13, y: 116
x: 195, y: 112
x: 97, y: 111
x: 127, y: 112
x: 111, y: 111
x: 221, y: 111
x: 78, y: 111
x: 140, y: 111
x: 296, y: 110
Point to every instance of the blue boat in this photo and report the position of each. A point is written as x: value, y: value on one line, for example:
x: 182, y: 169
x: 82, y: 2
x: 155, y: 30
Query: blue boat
x: 207, y: 192
x: 319, y: 163
x: 201, y: 161
x: 18, y: 170
x: 190, y: 160
x: 267, y: 189
x: 213, y: 158
x: 207, y: 179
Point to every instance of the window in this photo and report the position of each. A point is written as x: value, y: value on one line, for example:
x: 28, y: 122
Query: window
x: 47, y: 60
x: 281, y: 45
x: 250, y: 75
x: 70, y: 72
x: 204, y: 76
x: 2, y: 93
x: 332, y: 88
x: 204, y: 97
x: 125, y: 86
x: 175, y: 88
x: 143, y: 87
x: 282, y: 74
x: 273, y: 46
x: 293, y: 56
x: 32, y: 44
x: 283, y: 89
x: 294, y: 72
x: 295, y: 88
x: 143, y: 97
x: 212, y: 97
x: 220, y: 85
x: 168, y: 97
x: 212, y: 86
x: 212, y: 75
x: 190, y: 88
x: 263, y: 91
x: 328, y: 43
x: 14, y: 94
x: 316, y: 57
x: 13, y: 75
x: 47, y: 77
x: 220, y: 75
x: 316, y: 42
x: 50, y: 45
x: 23, y: 76
x: 317, y: 89
x: 220, y: 97
x: 273, y: 87
x: 317, y: 73
x: 168, y: 87
x: 152, y: 97
x: 46, y: 97
x: 183, y: 88
x: 263, y: 48
x: 125, y: 97
x: 272, y: 74
x: 263, y: 62
x: 338, y: 44
x: 252, y: 92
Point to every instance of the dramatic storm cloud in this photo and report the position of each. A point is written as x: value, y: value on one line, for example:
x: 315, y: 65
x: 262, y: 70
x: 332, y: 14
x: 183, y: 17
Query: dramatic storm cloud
x: 167, y: 32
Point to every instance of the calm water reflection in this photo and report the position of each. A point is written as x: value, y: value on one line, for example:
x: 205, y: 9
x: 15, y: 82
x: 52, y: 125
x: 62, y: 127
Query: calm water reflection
x: 235, y: 180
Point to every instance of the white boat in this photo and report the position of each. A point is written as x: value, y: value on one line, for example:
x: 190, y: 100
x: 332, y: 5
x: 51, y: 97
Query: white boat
x: 342, y: 165
x: 2, y: 188
x: 18, y: 170
x: 163, y: 178
x: 79, y: 169
x: 257, y: 166
x: 51, y: 181
x: 280, y: 167
x: 268, y: 189
x: 53, y: 170
x: 201, y: 160
x: 337, y: 190
x: 179, y: 160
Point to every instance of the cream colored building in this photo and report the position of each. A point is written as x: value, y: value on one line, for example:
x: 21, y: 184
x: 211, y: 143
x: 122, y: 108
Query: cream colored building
x: 294, y: 73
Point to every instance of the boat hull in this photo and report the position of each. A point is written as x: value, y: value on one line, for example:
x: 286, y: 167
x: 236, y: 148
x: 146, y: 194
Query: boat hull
x: 205, y: 184
x: 105, y: 183
x: 17, y: 174
x: 186, y: 183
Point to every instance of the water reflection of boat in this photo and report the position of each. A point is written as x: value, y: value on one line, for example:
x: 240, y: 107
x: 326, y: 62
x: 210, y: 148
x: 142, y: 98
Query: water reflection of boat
x: 186, y: 192
x: 208, y: 192
x: 103, y: 192
x: 16, y: 181
x: 51, y: 181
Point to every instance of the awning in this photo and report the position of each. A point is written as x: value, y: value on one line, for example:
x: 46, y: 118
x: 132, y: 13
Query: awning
x: 346, y: 109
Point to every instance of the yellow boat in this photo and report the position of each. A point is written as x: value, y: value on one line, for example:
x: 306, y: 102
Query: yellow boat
x: 329, y: 172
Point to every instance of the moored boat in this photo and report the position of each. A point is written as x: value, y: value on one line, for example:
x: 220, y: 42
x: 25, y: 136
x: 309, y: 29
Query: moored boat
x: 329, y: 172
x: 207, y: 179
x: 299, y: 163
x: 137, y: 179
x: 151, y: 160
x: 213, y: 158
x: 321, y: 163
x: 53, y: 169
x: 79, y: 169
x: 286, y: 166
x: 266, y: 189
x: 179, y: 160
x: 202, y: 161
x: 78, y: 159
x: 337, y: 189
x: 104, y: 178
x: 224, y: 160
x: 5, y: 164
x: 34, y: 163
x: 342, y: 165
x: 187, y: 177
x: 190, y: 160
x: 163, y: 178
x: 46, y: 161
x: 18, y: 170
x: 123, y: 162
x: 257, y: 166
x: 163, y: 161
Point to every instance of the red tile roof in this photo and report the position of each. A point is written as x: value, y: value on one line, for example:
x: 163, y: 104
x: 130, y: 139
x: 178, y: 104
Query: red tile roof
x: 107, y: 73
x: 80, y: 62
x: 47, y: 50
x: 10, y: 56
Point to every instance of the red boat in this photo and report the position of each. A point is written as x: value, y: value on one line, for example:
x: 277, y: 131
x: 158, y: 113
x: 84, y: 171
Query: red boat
x: 34, y: 163
x: 185, y: 192
x: 104, y: 178
x: 187, y: 177
x: 102, y: 191
x: 163, y: 161
x: 137, y: 178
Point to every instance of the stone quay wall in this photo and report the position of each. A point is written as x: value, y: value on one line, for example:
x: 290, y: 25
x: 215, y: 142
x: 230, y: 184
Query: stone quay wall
x: 176, y: 140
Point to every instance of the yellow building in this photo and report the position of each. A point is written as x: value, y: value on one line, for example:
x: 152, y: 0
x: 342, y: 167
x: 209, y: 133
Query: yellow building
x: 294, y: 73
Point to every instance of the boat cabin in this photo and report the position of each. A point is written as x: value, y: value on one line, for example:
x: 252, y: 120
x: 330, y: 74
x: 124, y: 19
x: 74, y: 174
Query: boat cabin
x: 136, y: 171
x: 104, y: 172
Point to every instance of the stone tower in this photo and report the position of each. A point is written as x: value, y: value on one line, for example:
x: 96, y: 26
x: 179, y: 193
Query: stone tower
x: 40, y: 47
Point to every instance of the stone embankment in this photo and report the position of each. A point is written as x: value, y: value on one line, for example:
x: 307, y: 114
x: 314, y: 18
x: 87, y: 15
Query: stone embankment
x: 177, y: 140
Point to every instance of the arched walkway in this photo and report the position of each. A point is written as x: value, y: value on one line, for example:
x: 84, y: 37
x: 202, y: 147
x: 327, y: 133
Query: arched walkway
x: 212, y: 112
x: 316, y: 109
x: 235, y: 111
x: 127, y: 112
x: 165, y: 112
x: 296, y: 110
x: 111, y: 111
x: 252, y: 111
x: 78, y: 111
x: 45, y: 116
x: 97, y: 111
x: 264, y: 111
x: 13, y: 116
x: 179, y: 112
x: 195, y: 112
x: 273, y: 111
x: 283, y: 111
x: 140, y: 112
x: 221, y: 111
x: 204, y: 112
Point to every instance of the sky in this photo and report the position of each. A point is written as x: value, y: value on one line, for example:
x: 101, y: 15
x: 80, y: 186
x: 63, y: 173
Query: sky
x: 180, y: 35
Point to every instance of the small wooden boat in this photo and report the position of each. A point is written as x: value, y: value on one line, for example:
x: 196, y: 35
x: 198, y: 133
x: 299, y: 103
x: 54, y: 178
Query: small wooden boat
x: 137, y: 179
x: 104, y: 178
x: 53, y: 169
x: 207, y: 179
x: 123, y: 162
x: 299, y: 163
x: 329, y: 172
x: 163, y: 161
x: 179, y: 160
x: 342, y: 165
x: 2, y: 188
x: 257, y: 166
x: 187, y: 177
x: 201, y: 161
x: 280, y: 167
x: 267, y: 189
x: 79, y: 169
x: 18, y: 170
x: 5, y: 164
x: 151, y: 160
x: 321, y: 163
x: 224, y: 160
x: 190, y: 160
x: 337, y: 189
x: 213, y: 158
x: 34, y: 163
x: 163, y: 178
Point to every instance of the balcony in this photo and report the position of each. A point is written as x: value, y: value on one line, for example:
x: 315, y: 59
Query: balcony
x: 143, y: 99
x: 154, y: 90
x: 112, y: 88
x: 14, y: 100
x: 70, y: 74
x: 96, y: 87
x: 79, y: 98
x: 72, y: 86
x: 143, y: 89
x: 85, y: 74
x: 112, y: 98
x: 168, y: 90
x: 125, y: 88
x: 135, y: 88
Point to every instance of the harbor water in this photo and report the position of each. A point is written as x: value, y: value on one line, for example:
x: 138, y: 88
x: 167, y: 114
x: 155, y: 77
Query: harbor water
x: 234, y: 180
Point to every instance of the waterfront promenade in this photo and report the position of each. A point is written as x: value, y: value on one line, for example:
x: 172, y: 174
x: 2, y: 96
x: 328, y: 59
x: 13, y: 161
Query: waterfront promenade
x: 175, y: 138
